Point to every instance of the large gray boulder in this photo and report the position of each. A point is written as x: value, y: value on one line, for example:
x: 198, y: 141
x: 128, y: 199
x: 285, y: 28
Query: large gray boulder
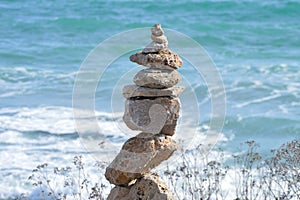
x: 138, y: 115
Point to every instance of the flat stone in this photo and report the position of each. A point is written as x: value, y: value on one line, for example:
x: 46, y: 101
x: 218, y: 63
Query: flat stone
x: 138, y: 115
x: 154, y: 47
x: 159, y: 39
x: 157, y: 30
x: 149, y: 187
x: 164, y: 59
x: 138, y: 156
x: 130, y: 91
x: 157, y: 78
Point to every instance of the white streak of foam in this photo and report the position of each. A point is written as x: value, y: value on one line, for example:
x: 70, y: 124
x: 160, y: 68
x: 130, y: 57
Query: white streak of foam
x: 56, y: 120
x: 257, y: 101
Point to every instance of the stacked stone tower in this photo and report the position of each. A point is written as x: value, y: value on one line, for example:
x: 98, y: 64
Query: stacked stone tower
x: 152, y: 107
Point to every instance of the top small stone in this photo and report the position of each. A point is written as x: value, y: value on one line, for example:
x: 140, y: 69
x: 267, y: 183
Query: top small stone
x: 156, y: 54
x: 159, y: 40
x: 157, y: 30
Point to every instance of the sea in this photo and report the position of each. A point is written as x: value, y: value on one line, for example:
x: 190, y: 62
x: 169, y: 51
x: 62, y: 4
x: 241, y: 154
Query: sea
x: 255, y: 46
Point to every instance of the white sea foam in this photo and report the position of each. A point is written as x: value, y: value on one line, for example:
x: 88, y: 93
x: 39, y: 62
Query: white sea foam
x: 32, y: 136
x: 260, y: 100
x: 283, y: 109
x: 13, y: 93
x: 55, y: 120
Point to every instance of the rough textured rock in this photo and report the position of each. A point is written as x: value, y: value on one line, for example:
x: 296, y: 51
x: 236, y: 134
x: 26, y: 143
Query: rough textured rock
x: 130, y: 91
x: 160, y: 41
x: 157, y: 78
x: 136, y: 115
x: 138, y: 156
x: 149, y: 187
x: 164, y: 59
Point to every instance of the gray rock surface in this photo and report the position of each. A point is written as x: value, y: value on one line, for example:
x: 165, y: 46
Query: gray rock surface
x: 154, y: 47
x: 149, y: 187
x: 164, y: 59
x: 137, y: 117
x: 160, y: 41
x: 130, y: 91
x: 157, y: 78
x: 138, y: 156
x: 157, y: 30
x: 152, y: 106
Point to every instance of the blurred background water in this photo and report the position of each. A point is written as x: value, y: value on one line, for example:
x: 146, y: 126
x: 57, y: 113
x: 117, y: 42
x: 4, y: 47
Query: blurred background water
x: 254, y: 44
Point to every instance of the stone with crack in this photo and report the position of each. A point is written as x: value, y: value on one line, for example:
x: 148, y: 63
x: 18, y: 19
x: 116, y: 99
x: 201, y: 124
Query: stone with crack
x: 137, y: 117
x: 138, y: 156
x: 134, y: 91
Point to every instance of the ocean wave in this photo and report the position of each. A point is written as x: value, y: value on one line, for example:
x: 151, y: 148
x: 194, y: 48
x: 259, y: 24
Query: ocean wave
x: 31, y: 136
x: 262, y: 87
x: 50, y: 119
x: 260, y: 100
x: 28, y: 74
x: 21, y: 81
x: 262, y: 125
x: 262, y: 68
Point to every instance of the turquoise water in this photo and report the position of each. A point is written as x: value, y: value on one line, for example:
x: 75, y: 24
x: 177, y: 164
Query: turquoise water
x: 255, y: 45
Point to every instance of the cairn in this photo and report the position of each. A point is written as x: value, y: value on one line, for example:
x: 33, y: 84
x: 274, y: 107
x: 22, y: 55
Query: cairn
x: 152, y: 106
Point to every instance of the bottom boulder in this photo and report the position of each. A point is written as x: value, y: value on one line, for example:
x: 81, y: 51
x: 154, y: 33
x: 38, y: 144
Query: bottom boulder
x: 149, y: 187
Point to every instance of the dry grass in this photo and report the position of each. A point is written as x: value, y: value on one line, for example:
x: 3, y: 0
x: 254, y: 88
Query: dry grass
x: 71, y: 182
x: 246, y: 176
